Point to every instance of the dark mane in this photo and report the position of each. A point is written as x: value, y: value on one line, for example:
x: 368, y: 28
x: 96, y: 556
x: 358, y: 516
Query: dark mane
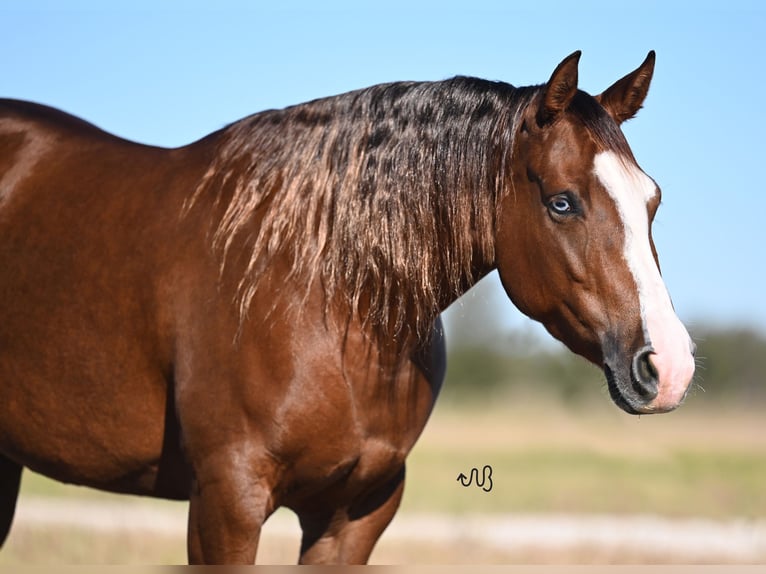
x: 600, y: 124
x: 380, y: 193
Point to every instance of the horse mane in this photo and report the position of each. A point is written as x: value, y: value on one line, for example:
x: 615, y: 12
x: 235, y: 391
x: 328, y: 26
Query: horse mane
x: 602, y: 128
x: 387, y: 195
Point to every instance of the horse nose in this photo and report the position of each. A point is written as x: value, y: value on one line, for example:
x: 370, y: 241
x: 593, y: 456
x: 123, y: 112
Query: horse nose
x: 644, y: 375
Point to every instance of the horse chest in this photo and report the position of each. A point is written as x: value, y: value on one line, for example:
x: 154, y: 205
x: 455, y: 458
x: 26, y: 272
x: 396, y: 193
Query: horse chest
x: 354, y: 442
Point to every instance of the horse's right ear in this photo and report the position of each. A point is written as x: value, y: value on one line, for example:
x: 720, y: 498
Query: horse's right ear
x: 625, y: 97
x: 559, y: 90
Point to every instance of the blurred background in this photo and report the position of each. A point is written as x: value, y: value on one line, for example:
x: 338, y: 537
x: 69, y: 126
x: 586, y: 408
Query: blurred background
x: 574, y: 480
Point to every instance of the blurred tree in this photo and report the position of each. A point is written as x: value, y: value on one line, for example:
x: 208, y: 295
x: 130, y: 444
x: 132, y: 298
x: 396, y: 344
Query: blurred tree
x: 731, y: 365
x: 493, y: 349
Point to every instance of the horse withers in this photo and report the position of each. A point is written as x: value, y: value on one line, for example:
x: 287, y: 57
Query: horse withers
x: 251, y: 321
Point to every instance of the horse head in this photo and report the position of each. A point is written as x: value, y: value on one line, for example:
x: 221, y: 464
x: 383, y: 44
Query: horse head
x: 574, y: 244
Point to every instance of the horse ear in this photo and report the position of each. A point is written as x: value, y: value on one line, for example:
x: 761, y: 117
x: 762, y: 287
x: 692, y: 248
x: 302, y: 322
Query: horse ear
x: 624, y: 98
x: 559, y: 90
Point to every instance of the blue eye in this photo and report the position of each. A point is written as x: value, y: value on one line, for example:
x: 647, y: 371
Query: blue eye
x: 561, y: 204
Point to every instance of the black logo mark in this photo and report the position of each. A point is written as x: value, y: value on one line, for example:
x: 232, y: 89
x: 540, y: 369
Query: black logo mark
x: 486, y: 475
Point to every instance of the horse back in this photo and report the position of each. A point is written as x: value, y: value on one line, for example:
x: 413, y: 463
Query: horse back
x: 119, y: 326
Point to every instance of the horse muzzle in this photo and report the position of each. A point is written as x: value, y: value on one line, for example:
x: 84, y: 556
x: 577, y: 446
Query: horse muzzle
x: 648, y: 382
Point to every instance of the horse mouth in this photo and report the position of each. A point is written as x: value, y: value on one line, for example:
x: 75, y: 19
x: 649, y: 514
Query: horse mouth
x: 620, y: 398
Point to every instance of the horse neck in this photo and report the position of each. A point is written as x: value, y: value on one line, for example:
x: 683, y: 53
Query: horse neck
x: 397, y: 210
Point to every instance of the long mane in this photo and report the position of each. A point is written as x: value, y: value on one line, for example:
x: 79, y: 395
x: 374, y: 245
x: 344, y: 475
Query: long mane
x: 387, y: 195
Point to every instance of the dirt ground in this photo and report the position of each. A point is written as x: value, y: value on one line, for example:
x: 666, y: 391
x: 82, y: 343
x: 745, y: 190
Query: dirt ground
x: 589, y: 486
x: 49, y: 531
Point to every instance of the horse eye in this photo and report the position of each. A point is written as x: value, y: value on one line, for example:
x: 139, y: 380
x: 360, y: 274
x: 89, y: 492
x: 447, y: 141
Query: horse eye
x: 561, y: 204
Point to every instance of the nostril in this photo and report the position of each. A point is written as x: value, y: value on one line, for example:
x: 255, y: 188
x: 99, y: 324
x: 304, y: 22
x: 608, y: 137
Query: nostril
x: 646, y: 368
x: 644, y: 375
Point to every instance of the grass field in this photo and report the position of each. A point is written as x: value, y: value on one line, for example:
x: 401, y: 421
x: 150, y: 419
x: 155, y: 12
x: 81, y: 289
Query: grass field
x: 595, y: 459
x: 546, y: 460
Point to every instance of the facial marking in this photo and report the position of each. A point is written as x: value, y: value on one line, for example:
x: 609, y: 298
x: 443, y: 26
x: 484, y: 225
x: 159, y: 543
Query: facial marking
x: 631, y: 189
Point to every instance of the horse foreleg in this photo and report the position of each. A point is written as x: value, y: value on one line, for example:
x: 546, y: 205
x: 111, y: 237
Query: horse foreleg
x: 10, y: 479
x: 349, y: 535
x: 226, y: 513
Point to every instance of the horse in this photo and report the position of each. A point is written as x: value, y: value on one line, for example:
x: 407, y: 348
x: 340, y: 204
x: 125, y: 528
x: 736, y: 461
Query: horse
x: 251, y: 321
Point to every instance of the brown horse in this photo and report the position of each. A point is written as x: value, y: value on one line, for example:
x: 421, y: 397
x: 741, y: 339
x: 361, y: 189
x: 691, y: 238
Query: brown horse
x: 251, y: 321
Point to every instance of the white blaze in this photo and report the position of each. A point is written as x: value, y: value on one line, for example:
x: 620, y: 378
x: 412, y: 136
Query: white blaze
x: 631, y: 189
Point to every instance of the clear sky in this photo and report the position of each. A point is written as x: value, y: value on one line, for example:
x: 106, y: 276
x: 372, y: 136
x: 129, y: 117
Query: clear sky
x: 169, y: 72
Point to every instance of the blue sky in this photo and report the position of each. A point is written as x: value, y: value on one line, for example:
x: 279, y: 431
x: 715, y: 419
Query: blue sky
x: 167, y: 73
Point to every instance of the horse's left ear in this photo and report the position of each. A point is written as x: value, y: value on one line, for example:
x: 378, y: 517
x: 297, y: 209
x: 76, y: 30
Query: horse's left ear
x: 559, y: 90
x: 624, y: 98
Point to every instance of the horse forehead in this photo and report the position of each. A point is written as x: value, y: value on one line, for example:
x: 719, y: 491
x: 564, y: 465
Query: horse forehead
x: 626, y: 183
x: 569, y: 149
